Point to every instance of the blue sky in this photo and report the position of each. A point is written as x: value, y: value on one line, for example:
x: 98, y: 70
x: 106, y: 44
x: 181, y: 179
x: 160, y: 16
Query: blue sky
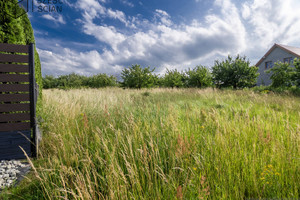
x: 104, y: 36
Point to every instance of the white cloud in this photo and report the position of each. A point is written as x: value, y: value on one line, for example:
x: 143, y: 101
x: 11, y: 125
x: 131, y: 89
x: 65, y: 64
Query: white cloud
x: 117, y: 15
x: 65, y: 61
x: 93, y: 9
x: 127, y: 3
x: 269, y: 22
x: 106, y: 34
x: 250, y: 29
x: 57, y: 18
x: 163, y: 44
x: 163, y: 17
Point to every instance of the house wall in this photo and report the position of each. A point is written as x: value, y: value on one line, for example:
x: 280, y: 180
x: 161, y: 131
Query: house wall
x: 277, y: 55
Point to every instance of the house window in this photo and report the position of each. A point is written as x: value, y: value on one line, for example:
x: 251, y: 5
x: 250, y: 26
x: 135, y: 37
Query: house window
x: 268, y: 65
x: 288, y: 60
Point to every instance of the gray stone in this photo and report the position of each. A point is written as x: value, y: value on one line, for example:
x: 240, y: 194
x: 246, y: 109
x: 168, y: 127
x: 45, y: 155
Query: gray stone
x: 11, y: 172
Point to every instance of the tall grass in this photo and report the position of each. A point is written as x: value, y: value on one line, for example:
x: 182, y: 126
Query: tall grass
x: 167, y: 144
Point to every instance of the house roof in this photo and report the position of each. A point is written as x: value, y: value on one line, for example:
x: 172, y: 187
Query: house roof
x: 292, y: 50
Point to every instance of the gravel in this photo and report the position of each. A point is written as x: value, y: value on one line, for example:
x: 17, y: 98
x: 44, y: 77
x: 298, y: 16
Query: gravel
x: 11, y: 172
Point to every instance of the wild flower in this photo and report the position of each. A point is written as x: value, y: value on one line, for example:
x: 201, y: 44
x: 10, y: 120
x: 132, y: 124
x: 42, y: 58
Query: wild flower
x: 85, y: 121
x: 106, y: 111
x: 185, y: 146
x: 179, y: 194
x: 269, y: 179
x: 204, y: 191
x: 265, y: 91
x: 266, y: 139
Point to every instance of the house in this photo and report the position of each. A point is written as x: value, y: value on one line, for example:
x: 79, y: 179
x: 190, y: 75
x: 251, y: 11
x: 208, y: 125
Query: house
x: 278, y: 53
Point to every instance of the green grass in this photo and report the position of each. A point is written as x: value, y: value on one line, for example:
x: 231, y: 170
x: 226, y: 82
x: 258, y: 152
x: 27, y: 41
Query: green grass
x: 166, y: 144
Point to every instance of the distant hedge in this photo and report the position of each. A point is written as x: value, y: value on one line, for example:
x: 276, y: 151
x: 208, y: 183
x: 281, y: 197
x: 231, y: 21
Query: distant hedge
x: 230, y: 73
x: 78, y: 81
x: 143, y: 77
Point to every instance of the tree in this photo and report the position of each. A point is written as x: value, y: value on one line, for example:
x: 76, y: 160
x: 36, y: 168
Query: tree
x: 159, y: 81
x: 199, y: 77
x: 18, y: 31
x: 71, y: 81
x: 236, y: 73
x: 77, y: 81
x: 174, y: 78
x: 296, y: 76
x: 49, y: 81
x: 282, y: 75
x: 101, y: 80
x: 137, y: 77
x: 11, y: 30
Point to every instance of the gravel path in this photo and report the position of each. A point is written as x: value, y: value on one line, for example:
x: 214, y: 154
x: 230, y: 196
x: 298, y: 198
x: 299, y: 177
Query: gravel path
x: 11, y: 172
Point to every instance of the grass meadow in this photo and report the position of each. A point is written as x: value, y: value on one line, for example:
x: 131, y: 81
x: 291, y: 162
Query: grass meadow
x: 165, y: 144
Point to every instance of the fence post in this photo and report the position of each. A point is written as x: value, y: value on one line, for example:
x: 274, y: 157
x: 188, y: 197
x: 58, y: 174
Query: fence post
x: 32, y: 100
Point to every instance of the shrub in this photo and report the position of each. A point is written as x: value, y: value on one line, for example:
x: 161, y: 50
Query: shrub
x: 236, y: 73
x: 71, y: 81
x: 159, y: 81
x: 137, y: 77
x: 282, y: 75
x: 199, y: 77
x: 49, y: 81
x: 174, y: 78
x: 296, y: 77
x: 100, y: 80
x: 77, y: 81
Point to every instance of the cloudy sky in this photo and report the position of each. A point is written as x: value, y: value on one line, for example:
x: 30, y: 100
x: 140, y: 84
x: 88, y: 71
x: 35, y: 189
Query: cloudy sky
x: 104, y: 36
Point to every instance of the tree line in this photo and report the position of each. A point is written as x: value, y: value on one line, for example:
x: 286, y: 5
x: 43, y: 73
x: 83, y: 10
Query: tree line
x: 232, y: 72
x: 79, y: 81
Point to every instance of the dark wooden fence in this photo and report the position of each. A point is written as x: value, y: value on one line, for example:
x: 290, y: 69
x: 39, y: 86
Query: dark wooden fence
x: 17, y: 101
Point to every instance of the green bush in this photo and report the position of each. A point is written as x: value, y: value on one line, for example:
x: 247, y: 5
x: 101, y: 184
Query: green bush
x: 296, y: 77
x: 174, y: 78
x: 293, y: 90
x: 159, y: 81
x: 78, y: 81
x: 49, y: 81
x: 137, y: 77
x: 236, y: 73
x: 101, y: 80
x: 199, y: 77
x: 282, y: 75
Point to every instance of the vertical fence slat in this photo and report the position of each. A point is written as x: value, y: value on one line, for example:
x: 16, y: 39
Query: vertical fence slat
x: 32, y: 100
